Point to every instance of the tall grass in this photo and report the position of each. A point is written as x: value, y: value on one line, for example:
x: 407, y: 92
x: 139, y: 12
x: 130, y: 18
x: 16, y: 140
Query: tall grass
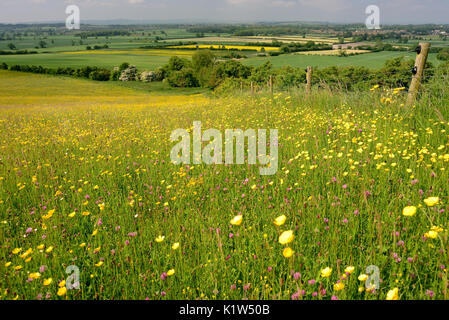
x: 348, y: 165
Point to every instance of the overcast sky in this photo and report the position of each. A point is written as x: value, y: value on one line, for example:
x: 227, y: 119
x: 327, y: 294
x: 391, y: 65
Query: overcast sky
x: 392, y: 11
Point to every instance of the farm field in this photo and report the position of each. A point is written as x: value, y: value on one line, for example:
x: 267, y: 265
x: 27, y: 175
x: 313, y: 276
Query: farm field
x: 97, y: 58
x: 332, y: 52
x: 86, y: 181
x: 261, y: 39
x: 53, y: 43
x: 435, y: 41
x: 42, y: 90
x: 371, y: 60
x: 300, y: 39
x: 57, y: 41
x: 70, y: 51
x: 227, y: 47
x: 150, y: 59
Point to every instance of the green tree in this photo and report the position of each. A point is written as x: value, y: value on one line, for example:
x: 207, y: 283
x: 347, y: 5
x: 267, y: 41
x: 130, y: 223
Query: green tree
x: 202, y: 59
x: 261, y: 73
x: 183, y: 78
x: 176, y: 63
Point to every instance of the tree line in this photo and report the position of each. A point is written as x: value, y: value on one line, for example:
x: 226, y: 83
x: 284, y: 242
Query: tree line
x: 206, y: 71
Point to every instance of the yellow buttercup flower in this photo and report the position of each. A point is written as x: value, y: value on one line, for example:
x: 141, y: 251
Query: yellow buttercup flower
x: 170, y: 272
x: 409, y: 211
x: 94, y: 233
x: 71, y: 215
x: 287, y: 252
x: 35, y: 275
x: 48, y: 281
x: 62, y: 291
x: 49, y: 214
x: 431, y: 234
x: 160, y: 238
x: 437, y: 229
x: 61, y: 284
x: 26, y: 253
x: 349, y: 269
x: 237, y: 220
x: 99, y: 264
x: 326, y: 272
x: 363, y: 277
x: 175, y: 246
x: 339, y: 286
x: 393, y: 294
x: 432, y: 201
x: 286, y: 237
x: 279, y: 221
x: 49, y: 249
x: 16, y: 250
x: 40, y: 247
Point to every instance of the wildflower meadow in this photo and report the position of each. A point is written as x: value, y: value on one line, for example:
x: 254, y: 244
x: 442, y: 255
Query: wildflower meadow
x: 92, y: 207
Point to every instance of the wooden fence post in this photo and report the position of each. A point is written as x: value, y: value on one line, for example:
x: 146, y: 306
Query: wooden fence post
x: 271, y: 84
x: 252, y: 88
x: 422, y: 50
x: 309, y: 80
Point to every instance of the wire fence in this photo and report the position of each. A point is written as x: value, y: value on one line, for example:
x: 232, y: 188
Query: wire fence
x: 385, y: 80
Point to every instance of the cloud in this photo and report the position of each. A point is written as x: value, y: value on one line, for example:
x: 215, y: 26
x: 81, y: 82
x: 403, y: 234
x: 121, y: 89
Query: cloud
x: 266, y: 3
x: 283, y: 3
x: 328, y: 5
x: 324, y: 5
x: 392, y: 11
